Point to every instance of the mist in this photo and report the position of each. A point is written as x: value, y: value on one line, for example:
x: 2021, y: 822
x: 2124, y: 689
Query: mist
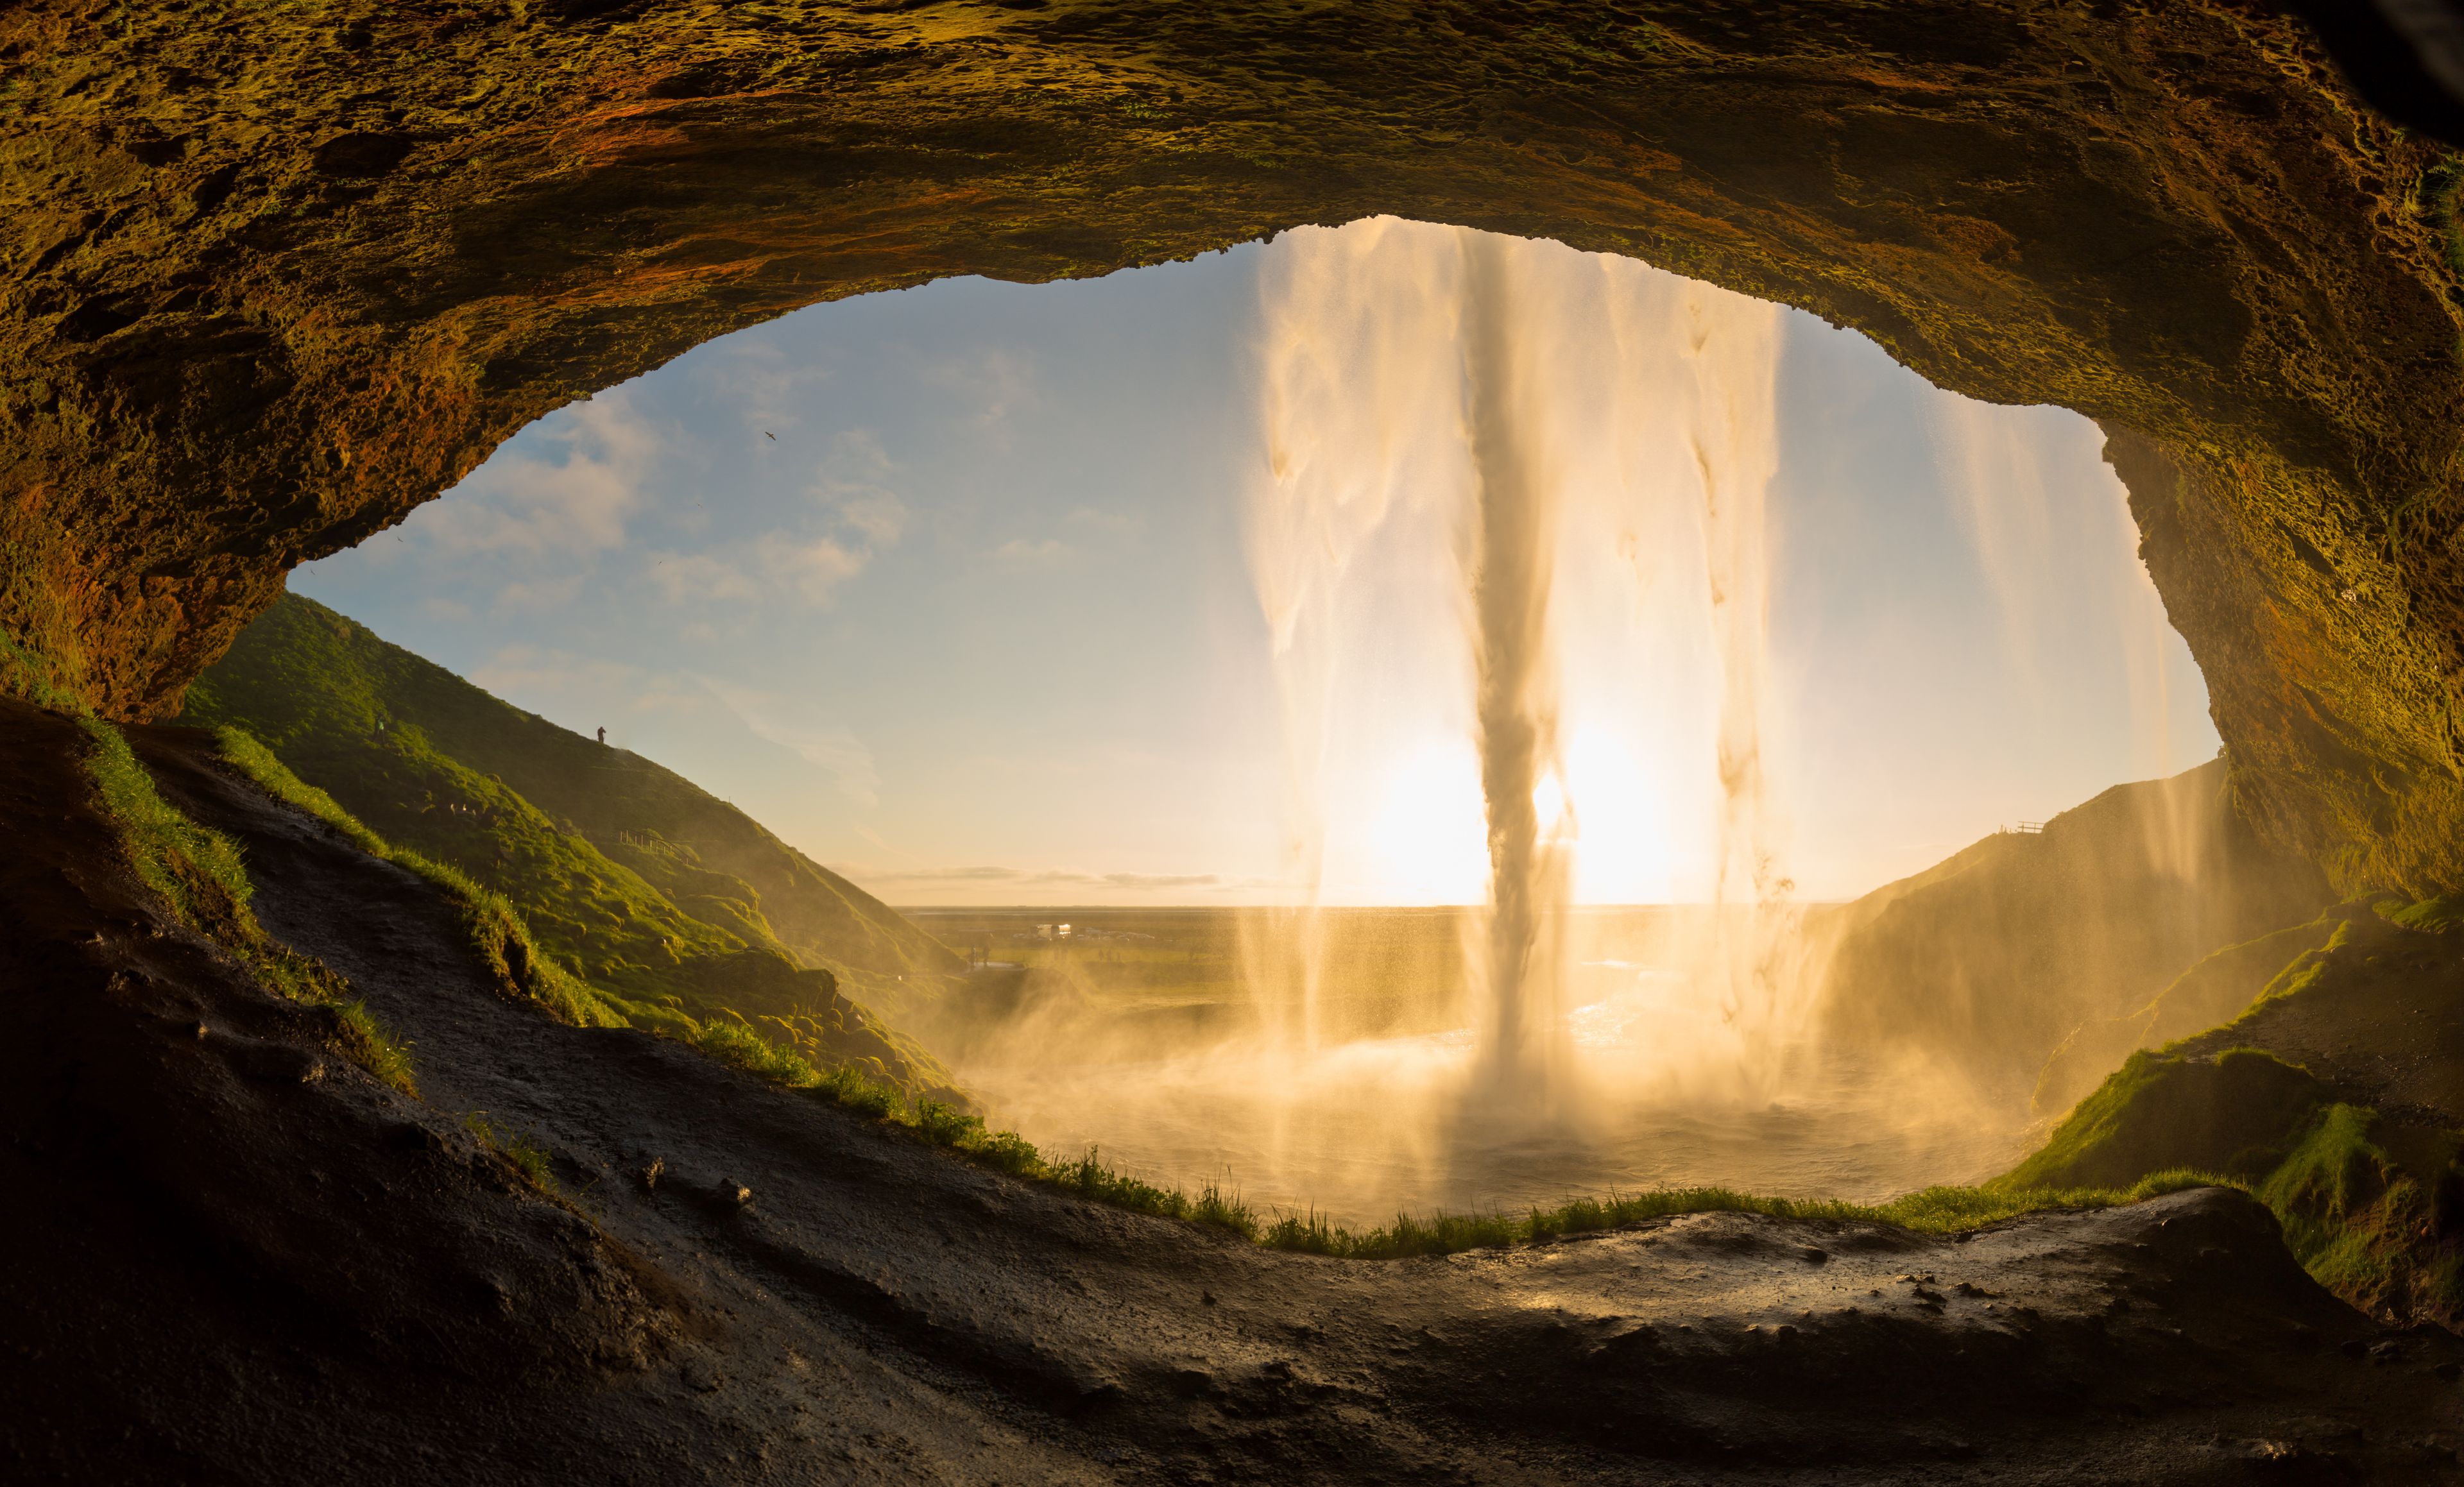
x: 1560, y: 463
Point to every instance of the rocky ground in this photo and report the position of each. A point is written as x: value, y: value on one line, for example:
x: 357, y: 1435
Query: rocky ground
x: 232, y: 1256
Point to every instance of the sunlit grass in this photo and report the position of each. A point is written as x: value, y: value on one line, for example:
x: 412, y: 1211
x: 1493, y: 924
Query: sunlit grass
x: 494, y: 926
x: 201, y: 876
x: 527, y: 1159
x: 1940, y: 1210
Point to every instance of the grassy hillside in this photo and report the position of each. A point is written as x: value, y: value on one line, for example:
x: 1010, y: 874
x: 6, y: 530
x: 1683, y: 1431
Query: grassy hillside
x: 1993, y: 958
x: 629, y: 876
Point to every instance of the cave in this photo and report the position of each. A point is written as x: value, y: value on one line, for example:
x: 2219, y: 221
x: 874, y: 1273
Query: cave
x: 281, y: 275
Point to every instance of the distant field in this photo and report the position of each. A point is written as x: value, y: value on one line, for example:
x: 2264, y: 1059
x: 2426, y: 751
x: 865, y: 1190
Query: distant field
x: 1377, y: 972
x: 1215, y: 971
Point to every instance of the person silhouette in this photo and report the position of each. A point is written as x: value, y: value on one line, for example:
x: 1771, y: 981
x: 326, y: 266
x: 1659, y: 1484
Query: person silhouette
x: 603, y: 735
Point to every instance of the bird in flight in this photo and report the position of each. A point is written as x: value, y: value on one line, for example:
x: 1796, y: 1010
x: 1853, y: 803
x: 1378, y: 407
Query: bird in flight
x: 767, y: 434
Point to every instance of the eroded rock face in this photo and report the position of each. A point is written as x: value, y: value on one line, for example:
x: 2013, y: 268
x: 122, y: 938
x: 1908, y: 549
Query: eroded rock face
x: 278, y: 276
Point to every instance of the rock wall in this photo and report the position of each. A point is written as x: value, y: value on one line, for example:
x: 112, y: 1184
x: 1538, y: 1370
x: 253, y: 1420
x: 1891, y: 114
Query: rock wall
x: 275, y: 276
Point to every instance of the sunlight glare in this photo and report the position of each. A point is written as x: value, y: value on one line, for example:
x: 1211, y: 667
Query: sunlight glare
x: 1427, y: 843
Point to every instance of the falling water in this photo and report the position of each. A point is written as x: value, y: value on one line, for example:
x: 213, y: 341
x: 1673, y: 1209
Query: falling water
x: 1511, y: 562
x: 1732, y: 437
x: 1571, y: 425
x: 1358, y: 390
x: 1508, y: 537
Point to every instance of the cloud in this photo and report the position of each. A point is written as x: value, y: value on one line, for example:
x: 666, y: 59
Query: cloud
x: 1164, y: 880
x: 812, y: 569
x: 695, y: 578
x: 1115, y: 523
x: 766, y: 385
x: 1020, y: 553
x: 540, y: 594
x: 989, y: 383
x: 860, y: 518
x: 878, y: 514
x: 797, y: 723
x: 569, y: 503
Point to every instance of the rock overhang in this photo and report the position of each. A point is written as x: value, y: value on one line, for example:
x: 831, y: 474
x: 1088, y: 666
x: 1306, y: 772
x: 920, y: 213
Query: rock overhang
x: 282, y: 276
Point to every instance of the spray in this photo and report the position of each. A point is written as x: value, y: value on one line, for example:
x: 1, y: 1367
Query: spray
x: 1360, y: 410
x: 1731, y: 349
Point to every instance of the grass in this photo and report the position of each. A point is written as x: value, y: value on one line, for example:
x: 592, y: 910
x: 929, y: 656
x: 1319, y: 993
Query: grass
x: 191, y: 864
x: 496, y: 929
x: 504, y: 944
x: 530, y: 1160
x: 591, y: 881
x: 197, y: 871
x: 626, y: 869
x: 1940, y: 1210
x: 199, y: 874
x: 2162, y: 1111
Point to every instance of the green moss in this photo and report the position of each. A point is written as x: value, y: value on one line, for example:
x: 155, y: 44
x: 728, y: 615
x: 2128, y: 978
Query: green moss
x: 2430, y: 916
x: 37, y: 677
x: 2304, y: 971
x: 2162, y: 1111
x: 2433, y: 197
x: 2378, y: 1229
x: 2381, y: 1226
x: 2334, y: 1170
x: 2225, y: 985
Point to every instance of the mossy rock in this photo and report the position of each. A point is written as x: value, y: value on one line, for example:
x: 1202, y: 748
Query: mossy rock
x: 2236, y: 1114
x: 2211, y: 993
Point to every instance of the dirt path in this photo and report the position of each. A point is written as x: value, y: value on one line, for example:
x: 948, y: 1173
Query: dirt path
x: 821, y: 1298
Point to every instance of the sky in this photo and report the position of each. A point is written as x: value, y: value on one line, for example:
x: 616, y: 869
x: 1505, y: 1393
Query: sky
x: 951, y: 587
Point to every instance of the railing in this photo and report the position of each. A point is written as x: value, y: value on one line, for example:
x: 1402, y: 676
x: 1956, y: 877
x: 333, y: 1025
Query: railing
x: 2026, y: 828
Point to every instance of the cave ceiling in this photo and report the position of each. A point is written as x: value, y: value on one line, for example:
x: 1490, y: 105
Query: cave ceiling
x: 278, y: 273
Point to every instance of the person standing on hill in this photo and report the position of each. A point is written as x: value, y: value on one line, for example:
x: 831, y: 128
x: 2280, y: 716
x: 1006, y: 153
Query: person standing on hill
x: 603, y: 738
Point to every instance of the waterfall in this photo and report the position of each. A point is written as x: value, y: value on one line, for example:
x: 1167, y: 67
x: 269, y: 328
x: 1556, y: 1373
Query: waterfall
x: 1567, y: 453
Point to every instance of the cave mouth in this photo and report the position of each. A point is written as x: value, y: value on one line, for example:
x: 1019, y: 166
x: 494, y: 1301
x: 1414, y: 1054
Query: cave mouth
x: 281, y: 275
x: 827, y: 566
